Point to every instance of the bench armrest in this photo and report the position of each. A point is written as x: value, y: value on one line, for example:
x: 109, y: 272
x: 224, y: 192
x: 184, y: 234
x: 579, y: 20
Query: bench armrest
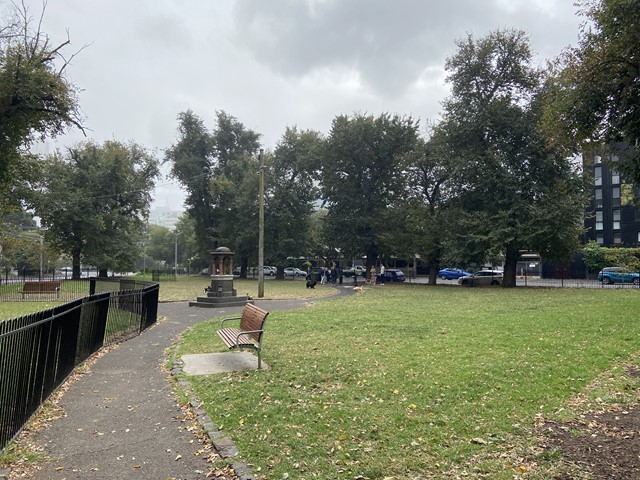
x: 228, y: 318
x: 248, y: 332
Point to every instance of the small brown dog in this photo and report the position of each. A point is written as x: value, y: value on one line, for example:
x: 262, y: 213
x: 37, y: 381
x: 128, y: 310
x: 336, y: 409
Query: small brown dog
x: 358, y: 289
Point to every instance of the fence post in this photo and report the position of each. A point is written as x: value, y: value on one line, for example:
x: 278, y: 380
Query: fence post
x: 92, y: 286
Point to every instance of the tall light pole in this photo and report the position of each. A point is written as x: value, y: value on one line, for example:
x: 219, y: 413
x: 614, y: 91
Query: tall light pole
x: 41, y: 259
x: 175, y: 253
x: 261, y: 229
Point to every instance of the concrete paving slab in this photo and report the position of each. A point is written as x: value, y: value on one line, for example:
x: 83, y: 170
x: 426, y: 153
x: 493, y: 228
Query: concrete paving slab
x: 210, y: 363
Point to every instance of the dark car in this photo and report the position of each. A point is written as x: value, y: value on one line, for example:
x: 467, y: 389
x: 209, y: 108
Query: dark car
x: 609, y: 275
x: 452, y: 273
x: 390, y: 275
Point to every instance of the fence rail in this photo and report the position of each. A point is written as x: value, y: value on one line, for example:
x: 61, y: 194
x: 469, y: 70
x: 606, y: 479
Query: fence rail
x: 38, y: 351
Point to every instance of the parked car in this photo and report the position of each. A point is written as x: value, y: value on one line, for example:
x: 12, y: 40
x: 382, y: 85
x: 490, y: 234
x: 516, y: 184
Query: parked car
x: 390, y: 275
x: 452, y: 273
x: 609, y: 275
x: 294, y: 272
x: 269, y: 271
x: 358, y: 270
x: 483, y: 277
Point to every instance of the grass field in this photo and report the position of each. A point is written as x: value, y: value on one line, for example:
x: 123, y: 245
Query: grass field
x: 412, y: 381
x: 421, y: 382
x: 188, y: 288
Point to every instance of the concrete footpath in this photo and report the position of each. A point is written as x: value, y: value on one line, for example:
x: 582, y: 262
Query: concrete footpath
x: 121, y: 420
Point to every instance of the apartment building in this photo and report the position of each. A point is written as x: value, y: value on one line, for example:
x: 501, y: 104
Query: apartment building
x: 613, y: 217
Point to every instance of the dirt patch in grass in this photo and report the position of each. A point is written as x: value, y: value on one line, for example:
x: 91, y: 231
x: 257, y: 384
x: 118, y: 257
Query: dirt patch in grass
x: 602, y: 444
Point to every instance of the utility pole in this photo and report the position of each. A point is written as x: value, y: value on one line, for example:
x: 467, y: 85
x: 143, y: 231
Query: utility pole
x: 41, y: 259
x: 175, y: 255
x: 261, y: 229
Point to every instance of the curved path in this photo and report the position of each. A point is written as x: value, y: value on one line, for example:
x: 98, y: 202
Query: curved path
x: 121, y: 420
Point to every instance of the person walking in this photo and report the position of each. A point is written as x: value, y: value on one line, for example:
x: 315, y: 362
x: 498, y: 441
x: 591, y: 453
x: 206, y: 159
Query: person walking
x: 381, y: 273
x: 372, y: 275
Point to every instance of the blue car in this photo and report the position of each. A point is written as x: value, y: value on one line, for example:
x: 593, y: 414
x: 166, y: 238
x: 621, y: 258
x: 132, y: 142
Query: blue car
x: 609, y: 275
x: 452, y: 273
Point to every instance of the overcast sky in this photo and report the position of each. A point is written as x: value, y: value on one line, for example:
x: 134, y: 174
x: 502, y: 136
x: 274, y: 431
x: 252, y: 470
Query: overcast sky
x: 273, y: 63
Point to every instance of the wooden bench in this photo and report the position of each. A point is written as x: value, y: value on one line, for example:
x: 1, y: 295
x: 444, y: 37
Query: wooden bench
x: 52, y: 286
x: 250, y: 333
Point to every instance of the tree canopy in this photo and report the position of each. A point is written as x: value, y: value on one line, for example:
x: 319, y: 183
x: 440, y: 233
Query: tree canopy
x: 290, y: 194
x: 93, y: 202
x: 361, y: 176
x: 593, y: 92
x: 219, y: 171
x: 36, y: 98
x: 515, y: 193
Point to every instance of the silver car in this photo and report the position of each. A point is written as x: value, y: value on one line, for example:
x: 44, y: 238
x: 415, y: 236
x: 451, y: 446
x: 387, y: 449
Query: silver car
x: 294, y: 272
x: 483, y: 277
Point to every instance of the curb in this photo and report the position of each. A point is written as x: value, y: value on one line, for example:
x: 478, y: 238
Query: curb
x: 224, y: 446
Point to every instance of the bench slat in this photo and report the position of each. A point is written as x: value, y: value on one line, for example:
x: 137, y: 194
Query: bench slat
x: 230, y: 335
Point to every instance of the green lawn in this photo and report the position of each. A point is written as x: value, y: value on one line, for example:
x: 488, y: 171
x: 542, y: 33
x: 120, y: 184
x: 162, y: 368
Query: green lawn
x: 189, y: 288
x: 419, y: 382
x: 17, y: 309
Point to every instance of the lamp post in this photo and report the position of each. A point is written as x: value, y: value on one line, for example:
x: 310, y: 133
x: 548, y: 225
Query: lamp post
x: 41, y: 258
x: 175, y: 253
x: 261, y: 230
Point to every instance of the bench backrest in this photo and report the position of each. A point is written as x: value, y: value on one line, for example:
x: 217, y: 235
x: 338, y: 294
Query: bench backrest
x: 51, y: 286
x: 253, y: 318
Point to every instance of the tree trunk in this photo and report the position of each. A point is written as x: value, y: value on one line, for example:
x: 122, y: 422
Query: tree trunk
x: 102, y: 273
x: 510, y: 267
x: 244, y: 266
x: 75, y: 264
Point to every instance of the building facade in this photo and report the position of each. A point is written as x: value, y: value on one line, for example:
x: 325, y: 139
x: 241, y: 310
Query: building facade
x: 613, y: 217
x: 165, y: 217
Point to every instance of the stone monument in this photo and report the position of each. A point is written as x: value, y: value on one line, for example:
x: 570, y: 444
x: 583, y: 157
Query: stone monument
x: 221, y: 292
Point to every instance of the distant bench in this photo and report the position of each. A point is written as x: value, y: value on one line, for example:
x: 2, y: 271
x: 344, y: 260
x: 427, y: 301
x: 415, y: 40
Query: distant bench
x: 52, y: 286
x: 249, y: 335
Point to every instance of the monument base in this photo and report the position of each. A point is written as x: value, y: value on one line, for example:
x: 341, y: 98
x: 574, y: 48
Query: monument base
x: 221, y: 294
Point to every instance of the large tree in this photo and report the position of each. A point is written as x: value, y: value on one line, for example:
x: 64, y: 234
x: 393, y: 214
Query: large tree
x: 93, y: 202
x: 594, y: 89
x: 191, y: 159
x: 421, y: 220
x: 361, y: 176
x: 290, y: 194
x: 516, y: 192
x: 219, y: 170
x: 36, y: 98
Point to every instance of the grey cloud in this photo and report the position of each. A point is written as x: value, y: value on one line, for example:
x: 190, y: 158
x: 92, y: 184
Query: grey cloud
x: 388, y: 43
x: 163, y: 30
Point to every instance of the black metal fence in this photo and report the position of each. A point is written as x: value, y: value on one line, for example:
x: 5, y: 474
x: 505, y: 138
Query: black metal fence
x: 60, y: 289
x: 38, y: 351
